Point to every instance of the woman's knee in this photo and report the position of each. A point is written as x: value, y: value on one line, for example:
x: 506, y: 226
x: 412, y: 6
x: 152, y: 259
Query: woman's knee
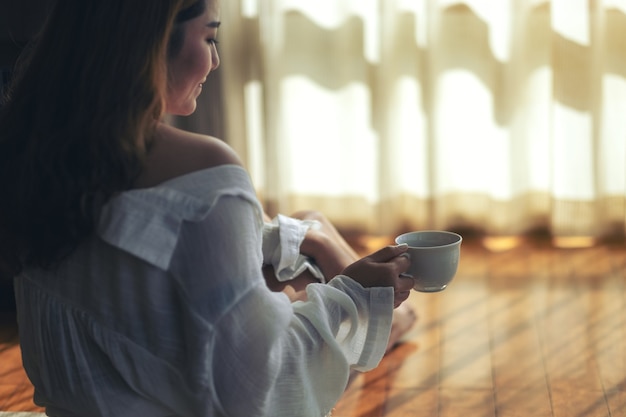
x: 310, y: 215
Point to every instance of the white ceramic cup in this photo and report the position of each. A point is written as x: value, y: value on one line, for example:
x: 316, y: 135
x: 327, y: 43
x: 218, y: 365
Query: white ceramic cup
x: 434, y: 258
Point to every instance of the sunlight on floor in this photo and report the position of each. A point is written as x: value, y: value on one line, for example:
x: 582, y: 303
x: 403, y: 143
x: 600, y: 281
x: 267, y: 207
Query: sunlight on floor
x: 574, y: 242
x: 501, y: 243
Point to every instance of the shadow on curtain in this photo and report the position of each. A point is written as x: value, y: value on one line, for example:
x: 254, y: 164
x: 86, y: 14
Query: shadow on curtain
x: 396, y: 115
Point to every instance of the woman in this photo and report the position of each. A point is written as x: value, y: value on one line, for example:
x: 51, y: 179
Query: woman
x: 137, y: 248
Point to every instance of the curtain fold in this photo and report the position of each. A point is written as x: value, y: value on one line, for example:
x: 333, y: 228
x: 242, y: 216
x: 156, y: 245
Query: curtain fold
x: 503, y: 116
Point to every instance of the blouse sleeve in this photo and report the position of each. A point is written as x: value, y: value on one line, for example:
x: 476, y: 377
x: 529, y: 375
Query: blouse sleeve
x: 282, y: 238
x: 258, y: 354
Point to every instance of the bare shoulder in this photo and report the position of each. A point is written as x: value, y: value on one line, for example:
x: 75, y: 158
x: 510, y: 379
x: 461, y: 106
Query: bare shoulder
x: 176, y: 152
x: 194, y: 150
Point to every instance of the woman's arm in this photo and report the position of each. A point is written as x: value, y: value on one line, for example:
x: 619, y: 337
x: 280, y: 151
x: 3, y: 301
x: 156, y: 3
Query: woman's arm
x: 272, y: 357
x: 327, y: 249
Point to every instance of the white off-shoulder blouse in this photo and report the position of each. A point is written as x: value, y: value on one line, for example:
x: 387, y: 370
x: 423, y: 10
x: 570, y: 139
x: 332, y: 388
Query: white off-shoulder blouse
x: 166, y: 313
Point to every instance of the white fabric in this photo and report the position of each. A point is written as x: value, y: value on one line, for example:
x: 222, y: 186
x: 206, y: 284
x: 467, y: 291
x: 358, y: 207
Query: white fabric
x: 167, y: 313
x: 282, y: 238
x: 20, y: 414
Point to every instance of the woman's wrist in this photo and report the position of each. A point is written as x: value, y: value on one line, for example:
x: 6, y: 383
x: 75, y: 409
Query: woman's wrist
x: 327, y: 254
x: 315, y: 244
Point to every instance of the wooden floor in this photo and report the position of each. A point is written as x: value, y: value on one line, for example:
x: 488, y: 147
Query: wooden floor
x: 16, y: 392
x: 525, y: 329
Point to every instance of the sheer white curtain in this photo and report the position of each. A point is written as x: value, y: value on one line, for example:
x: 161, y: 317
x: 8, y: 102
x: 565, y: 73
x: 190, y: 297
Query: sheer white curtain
x: 503, y: 116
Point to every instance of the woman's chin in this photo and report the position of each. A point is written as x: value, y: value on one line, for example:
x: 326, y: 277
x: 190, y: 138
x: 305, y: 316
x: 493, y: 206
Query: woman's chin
x: 186, y: 110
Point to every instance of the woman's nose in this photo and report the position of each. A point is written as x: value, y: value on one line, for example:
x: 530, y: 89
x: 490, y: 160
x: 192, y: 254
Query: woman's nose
x: 215, y: 59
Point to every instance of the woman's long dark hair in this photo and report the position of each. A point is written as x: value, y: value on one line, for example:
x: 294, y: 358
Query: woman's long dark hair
x: 77, y: 119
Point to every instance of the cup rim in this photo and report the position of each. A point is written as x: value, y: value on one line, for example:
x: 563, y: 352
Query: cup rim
x: 446, y: 232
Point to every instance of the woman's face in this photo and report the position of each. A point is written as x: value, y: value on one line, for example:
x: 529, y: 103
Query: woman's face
x: 198, y: 56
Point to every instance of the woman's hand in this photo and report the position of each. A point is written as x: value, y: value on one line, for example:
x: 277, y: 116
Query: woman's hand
x: 383, y: 269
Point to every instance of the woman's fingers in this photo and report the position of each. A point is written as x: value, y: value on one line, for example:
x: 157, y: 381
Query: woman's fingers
x: 388, y: 253
x: 402, y: 290
x: 383, y: 268
x: 404, y: 283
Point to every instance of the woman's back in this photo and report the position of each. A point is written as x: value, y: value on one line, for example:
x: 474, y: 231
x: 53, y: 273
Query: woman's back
x: 125, y: 325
